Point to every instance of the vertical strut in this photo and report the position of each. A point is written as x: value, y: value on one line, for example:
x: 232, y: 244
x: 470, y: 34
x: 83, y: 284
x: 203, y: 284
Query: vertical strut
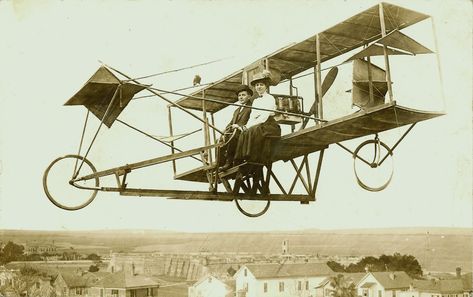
x: 81, y: 140
x: 385, y: 50
x: 320, y: 113
x: 317, y: 174
x: 308, y: 173
x: 172, y: 142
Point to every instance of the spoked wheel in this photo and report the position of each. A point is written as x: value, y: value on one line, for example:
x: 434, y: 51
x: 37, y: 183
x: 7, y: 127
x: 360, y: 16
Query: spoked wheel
x: 251, y: 186
x: 252, y: 208
x: 373, y: 160
x: 57, y: 183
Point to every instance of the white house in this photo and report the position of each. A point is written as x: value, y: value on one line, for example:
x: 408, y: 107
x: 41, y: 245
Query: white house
x: 280, y: 280
x: 384, y: 284
x: 210, y: 286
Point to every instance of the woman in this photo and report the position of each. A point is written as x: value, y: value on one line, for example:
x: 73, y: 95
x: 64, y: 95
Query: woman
x: 254, y: 143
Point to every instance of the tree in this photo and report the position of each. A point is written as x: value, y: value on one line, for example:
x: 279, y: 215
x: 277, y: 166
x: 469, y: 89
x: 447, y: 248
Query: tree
x: 395, y: 262
x: 34, y: 257
x: 231, y: 271
x: 93, y: 268
x: 407, y: 263
x: 335, y: 266
x: 342, y: 287
x: 11, y: 252
x: 93, y: 257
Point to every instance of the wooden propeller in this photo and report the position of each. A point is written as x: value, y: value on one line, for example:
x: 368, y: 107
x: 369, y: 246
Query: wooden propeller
x: 326, y: 84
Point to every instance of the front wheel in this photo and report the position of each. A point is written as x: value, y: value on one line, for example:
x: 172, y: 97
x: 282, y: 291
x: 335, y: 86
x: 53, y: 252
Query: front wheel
x: 252, y: 209
x: 57, y: 182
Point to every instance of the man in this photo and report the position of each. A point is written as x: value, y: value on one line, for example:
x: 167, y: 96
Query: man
x: 239, y: 119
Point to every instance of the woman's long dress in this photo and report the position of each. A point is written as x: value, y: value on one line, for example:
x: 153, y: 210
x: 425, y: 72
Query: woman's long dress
x: 254, y: 144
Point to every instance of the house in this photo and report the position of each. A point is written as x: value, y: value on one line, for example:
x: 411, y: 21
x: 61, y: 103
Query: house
x: 435, y: 288
x: 325, y: 288
x: 7, y: 280
x: 467, y: 280
x: 459, y: 286
x: 124, y: 284
x: 41, y: 286
x: 383, y: 284
x: 7, y: 276
x: 72, y: 284
x: 14, y: 283
x: 175, y: 290
x: 285, y: 280
x: 210, y: 286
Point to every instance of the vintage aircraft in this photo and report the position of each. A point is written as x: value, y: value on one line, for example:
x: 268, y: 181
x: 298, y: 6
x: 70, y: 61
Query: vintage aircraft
x: 373, y: 32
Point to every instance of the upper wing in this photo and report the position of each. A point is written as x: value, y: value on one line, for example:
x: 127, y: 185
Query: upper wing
x: 352, y: 33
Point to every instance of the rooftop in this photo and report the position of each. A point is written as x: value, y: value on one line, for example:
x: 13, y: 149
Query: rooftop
x: 126, y: 280
x: 289, y: 270
x: 393, y: 280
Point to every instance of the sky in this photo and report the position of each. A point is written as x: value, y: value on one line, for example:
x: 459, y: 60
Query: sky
x: 50, y: 48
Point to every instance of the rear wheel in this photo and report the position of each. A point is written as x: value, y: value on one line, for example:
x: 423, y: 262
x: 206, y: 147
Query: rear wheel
x: 59, y: 189
x: 372, y: 159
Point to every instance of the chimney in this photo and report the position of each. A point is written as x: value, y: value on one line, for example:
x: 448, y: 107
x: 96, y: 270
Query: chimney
x: 133, y: 269
x: 392, y: 276
x: 459, y: 272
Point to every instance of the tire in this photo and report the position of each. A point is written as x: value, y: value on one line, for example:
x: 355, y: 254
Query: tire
x: 252, y: 215
x: 61, y: 204
x: 374, y: 164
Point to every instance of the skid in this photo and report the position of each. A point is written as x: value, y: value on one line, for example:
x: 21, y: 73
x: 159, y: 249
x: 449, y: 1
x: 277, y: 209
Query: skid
x: 205, y: 195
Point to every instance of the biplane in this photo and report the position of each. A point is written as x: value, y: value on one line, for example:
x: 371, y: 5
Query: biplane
x: 373, y: 33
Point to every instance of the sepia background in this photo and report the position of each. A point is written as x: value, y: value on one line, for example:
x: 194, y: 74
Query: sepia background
x: 49, y: 49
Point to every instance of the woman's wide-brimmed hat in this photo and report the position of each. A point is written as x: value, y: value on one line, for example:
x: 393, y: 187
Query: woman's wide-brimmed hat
x: 242, y: 88
x: 264, y: 77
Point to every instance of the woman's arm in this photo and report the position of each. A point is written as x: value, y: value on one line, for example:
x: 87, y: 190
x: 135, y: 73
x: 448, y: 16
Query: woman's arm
x: 260, y: 116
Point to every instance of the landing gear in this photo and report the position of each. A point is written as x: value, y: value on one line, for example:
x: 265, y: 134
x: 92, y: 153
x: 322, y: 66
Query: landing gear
x: 61, y: 173
x: 251, y: 210
x: 249, y: 178
x: 377, y: 175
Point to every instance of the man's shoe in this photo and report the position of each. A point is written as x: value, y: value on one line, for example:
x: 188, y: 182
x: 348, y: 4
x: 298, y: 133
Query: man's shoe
x: 226, y: 166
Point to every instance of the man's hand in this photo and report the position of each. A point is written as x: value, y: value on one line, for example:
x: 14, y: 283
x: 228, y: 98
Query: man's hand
x: 236, y: 126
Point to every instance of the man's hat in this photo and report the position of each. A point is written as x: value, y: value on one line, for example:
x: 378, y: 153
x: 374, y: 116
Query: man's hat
x: 242, y: 88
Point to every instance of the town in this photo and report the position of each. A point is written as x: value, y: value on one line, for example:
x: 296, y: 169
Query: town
x: 48, y: 269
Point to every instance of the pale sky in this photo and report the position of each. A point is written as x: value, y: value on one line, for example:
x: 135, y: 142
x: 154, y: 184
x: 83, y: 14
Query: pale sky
x: 50, y: 48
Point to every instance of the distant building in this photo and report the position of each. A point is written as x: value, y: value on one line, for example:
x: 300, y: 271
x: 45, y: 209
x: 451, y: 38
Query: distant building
x: 384, y: 284
x: 210, y: 286
x: 40, y: 249
x: 284, y: 280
